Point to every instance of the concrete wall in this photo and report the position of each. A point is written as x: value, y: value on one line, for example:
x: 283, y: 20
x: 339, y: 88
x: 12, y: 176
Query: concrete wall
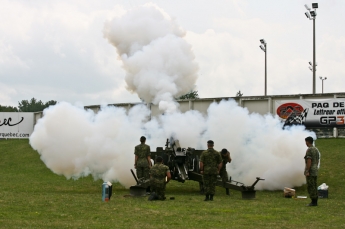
x: 258, y: 104
x: 255, y: 104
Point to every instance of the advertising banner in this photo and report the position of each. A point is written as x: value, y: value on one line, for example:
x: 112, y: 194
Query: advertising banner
x: 312, y: 113
x: 16, y: 124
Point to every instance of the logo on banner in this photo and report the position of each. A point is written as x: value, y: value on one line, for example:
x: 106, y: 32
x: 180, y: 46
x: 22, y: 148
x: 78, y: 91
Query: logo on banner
x: 287, y: 109
x: 8, y: 122
x: 293, y: 113
x: 298, y: 119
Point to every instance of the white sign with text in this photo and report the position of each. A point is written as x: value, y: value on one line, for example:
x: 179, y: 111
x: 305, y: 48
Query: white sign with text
x: 16, y: 124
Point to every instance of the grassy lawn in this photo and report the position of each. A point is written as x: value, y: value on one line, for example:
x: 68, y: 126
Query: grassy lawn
x: 31, y: 196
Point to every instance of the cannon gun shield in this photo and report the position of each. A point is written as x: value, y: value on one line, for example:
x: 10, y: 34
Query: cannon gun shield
x: 136, y: 190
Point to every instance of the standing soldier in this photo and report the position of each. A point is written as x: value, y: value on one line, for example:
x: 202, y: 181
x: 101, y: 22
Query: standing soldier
x: 210, y: 164
x: 142, y: 161
x: 223, y: 173
x: 225, y: 159
x: 311, y: 168
x: 159, y: 177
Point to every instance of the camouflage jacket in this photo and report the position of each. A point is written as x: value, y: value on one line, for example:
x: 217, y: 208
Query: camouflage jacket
x: 142, y: 151
x: 211, y: 159
x: 313, y: 154
x: 158, y: 173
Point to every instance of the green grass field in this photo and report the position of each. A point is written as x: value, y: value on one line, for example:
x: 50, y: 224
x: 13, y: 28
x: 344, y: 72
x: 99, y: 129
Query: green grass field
x: 31, y: 196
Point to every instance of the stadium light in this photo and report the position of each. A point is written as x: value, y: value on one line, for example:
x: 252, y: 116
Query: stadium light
x: 311, y: 15
x: 263, y: 47
x: 322, y: 78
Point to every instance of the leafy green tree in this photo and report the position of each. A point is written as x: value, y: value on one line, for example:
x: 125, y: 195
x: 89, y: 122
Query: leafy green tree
x: 34, y: 105
x: 190, y: 95
x: 50, y: 103
x: 8, y: 109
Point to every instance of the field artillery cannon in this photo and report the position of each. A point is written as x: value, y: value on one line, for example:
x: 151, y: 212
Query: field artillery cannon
x: 183, y: 164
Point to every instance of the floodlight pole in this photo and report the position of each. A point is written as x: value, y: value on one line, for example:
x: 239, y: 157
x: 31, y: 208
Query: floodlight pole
x: 263, y: 47
x: 322, y: 78
x: 314, y: 58
x: 265, y: 69
x: 311, y: 15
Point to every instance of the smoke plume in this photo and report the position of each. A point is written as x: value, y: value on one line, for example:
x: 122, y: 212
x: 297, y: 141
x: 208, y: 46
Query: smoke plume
x: 102, y: 144
x: 160, y: 66
x: 159, y: 63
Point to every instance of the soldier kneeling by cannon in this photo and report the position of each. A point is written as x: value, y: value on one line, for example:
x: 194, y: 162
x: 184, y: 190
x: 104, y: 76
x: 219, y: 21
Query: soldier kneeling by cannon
x: 159, y: 177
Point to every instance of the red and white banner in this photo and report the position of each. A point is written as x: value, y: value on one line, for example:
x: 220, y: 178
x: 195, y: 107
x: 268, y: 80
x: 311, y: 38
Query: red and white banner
x: 312, y: 113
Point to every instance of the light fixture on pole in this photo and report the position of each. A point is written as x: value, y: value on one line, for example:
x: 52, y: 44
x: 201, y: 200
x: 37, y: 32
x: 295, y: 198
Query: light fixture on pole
x: 311, y: 15
x: 311, y: 66
x: 263, y: 47
x: 322, y: 78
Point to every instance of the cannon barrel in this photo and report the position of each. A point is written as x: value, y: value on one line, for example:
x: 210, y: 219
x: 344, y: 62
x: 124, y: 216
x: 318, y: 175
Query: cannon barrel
x: 135, y: 177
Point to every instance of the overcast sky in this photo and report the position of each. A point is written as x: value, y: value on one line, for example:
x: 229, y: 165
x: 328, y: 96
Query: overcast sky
x: 55, y: 50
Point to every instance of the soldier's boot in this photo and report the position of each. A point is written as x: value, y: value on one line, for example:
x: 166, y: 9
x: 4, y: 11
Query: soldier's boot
x: 227, y: 192
x: 207, y: 198
x: 153, y: 196
x: 211, y: 197
x: 148, y: 190
x: 313, y: 203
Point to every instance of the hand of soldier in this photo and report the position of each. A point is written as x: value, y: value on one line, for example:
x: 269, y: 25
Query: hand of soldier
x: 135, y: 166
x: 202, y: 172
x: 306, y: 174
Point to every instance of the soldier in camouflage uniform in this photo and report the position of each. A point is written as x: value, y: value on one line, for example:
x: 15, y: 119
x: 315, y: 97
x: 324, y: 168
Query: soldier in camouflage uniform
x: 311, y: 168
x: 159, y: 177
x: 142, y: 161
x: 210, y: 164
x: 225, y: 159
x: 223, y: 173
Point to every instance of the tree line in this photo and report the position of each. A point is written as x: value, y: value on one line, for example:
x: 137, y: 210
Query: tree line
x: 32, y: 105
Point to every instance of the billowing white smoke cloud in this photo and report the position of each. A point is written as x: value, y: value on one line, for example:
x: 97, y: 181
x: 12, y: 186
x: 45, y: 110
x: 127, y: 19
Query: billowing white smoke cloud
x: 74, y: 142
x: 159, y: 63
x: 160, y: 66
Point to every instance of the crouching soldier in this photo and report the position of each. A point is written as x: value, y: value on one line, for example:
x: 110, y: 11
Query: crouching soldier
x: 159, y: 177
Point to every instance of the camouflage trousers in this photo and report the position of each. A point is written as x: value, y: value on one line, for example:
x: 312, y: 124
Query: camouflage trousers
x: 210, y: 181
x: 143, y: 172
x: 158, y: 188
x: 312, y: 186
x: 224, y: 175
